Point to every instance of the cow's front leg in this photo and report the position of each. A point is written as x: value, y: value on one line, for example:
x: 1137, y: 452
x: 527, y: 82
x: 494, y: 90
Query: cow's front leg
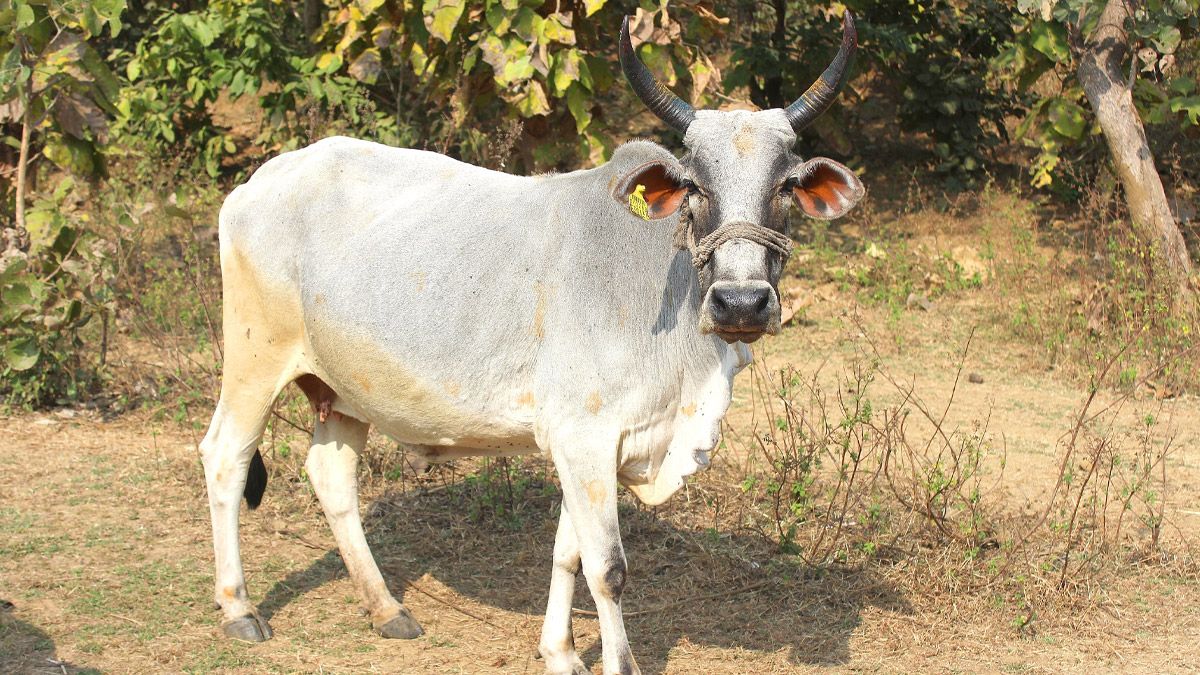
x: 332, y: 467
x: 557, y: 645
x: 589, y: 483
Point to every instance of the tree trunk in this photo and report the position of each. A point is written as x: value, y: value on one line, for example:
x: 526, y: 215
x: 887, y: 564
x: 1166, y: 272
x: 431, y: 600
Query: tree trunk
x: 1100, y: 64
x: 312, y: 16
x: 773, y: 85
x: 22, y: 160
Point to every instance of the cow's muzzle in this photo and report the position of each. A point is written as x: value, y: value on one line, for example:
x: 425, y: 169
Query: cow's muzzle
x: 740, y: 311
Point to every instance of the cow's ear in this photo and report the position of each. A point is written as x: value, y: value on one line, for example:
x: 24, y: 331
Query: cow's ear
x: 826, y: 189
x: 662, y: 189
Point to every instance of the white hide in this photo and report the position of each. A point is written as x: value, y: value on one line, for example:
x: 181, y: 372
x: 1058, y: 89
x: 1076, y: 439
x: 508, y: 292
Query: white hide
x: 468, y: 312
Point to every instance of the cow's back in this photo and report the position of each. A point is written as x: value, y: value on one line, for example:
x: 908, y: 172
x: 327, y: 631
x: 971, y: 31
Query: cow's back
x: 386, y: 263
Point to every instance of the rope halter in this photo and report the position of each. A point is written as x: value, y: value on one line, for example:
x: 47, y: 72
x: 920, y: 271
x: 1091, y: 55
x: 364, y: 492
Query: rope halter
x: 685, y: 239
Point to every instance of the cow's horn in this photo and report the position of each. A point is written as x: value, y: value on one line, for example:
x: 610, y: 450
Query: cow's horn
x: 820, y: 95
x: 669, y: 107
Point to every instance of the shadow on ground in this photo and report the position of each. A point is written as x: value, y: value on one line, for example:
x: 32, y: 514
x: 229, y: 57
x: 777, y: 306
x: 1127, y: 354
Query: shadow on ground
x: 25, y: 648
x: 696, y: 586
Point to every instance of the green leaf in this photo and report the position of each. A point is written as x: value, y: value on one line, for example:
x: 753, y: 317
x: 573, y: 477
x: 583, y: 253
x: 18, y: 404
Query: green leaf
x: 110, y: 12
x: 22, y: 354
x: 658, y: 59
x: 1030, y: 118
x: 528, y: 25
x: 25, y: 16
x: 499, y: 19
x: 1167, y: 40
x: 600, y: 73
x: 418, y: 59
x: 516, y: 71
x: 566, y: 70
x: 948, y: 107
x: 1182, y: 86
x: 11, y: 72
x: 17, y: 295
x: 13, y: 269
x: 1190, y: 106
x: 592, y: 6
x: 534, y: 101
x: 1050, y: 39
x: 441, y: 17
x: 199, y: 29
x: 71, y: 154
x: 470, y: 59
x: 577, y: 101
x: 1067, y: 118
x: 329, y: 62
x: 554, y: 30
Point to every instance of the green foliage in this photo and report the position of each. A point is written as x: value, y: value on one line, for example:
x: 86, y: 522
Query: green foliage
x: 186, y: 62
x: 504, y: 490
x: 939, y: 55
x: 57, y: 92
x: 53, y: 78
x: 456, y: 70
x: 931, y: 59
x: 49, y: 294
x: 1044, y: 59
x: 441, y: 74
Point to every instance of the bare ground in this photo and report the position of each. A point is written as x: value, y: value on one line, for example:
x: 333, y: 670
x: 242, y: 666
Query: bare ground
x: 105, y: 553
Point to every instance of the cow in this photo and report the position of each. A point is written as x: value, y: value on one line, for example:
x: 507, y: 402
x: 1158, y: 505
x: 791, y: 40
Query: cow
x: 598, y: 317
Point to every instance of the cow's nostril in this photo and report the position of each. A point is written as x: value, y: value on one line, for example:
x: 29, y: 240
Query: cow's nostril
x: 719, y: 303
x: 740, y: 306
x: 761, y: 301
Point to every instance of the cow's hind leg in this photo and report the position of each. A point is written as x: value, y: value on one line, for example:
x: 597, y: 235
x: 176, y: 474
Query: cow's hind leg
x: 557, y: 645
x: 228, y: 452
x: 332, y: 467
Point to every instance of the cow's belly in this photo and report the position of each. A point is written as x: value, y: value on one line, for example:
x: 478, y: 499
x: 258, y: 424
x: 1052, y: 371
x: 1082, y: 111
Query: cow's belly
x: 411, y: 412
x: 417, y: 406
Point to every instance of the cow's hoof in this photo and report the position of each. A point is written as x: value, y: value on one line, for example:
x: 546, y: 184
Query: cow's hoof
x: 401, y: 627
x: 248, y: 628
x: 566, y: 665
x: 576, y: 669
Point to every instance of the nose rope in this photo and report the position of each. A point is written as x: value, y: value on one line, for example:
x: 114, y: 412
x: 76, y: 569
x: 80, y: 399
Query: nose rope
x: 685, y: 238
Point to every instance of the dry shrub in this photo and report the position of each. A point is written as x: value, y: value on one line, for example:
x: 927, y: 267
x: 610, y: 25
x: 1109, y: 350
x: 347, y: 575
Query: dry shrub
x: 1108, y: 504
x: 1099, y: 288
x: 860, y: 471
x: 834, y: 475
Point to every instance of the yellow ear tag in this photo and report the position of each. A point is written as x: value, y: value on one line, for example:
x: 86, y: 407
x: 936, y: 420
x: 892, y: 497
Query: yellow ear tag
x: 637, y: 203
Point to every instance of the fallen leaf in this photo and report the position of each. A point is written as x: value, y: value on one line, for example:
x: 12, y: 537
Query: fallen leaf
x: 793, y: 305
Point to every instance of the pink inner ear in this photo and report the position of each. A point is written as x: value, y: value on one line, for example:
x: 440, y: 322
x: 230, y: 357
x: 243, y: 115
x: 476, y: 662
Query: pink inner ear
x: 663, y: 195
x: 826, y: 192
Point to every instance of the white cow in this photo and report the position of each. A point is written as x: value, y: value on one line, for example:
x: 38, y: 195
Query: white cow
x: 468, y: 312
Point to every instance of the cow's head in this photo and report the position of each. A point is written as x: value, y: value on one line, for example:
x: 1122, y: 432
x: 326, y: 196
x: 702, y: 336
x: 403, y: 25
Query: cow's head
x: 738, y: 179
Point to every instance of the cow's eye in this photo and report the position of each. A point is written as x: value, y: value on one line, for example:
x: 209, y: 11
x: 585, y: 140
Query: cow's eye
x: 788, y: 185
x: 692, y: 188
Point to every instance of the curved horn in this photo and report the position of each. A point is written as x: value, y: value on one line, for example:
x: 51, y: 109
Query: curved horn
x: 820, y: 95
x: 669, y: 107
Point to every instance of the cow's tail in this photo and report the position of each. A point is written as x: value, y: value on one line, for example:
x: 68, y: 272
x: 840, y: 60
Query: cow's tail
x: 256, y: 481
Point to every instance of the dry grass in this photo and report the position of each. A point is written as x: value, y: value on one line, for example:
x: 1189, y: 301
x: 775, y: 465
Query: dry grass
x: 903, y: 487
x: 104, y: 550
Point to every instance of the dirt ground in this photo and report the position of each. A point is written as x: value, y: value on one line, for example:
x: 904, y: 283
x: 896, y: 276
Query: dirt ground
x: 105, y: 558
